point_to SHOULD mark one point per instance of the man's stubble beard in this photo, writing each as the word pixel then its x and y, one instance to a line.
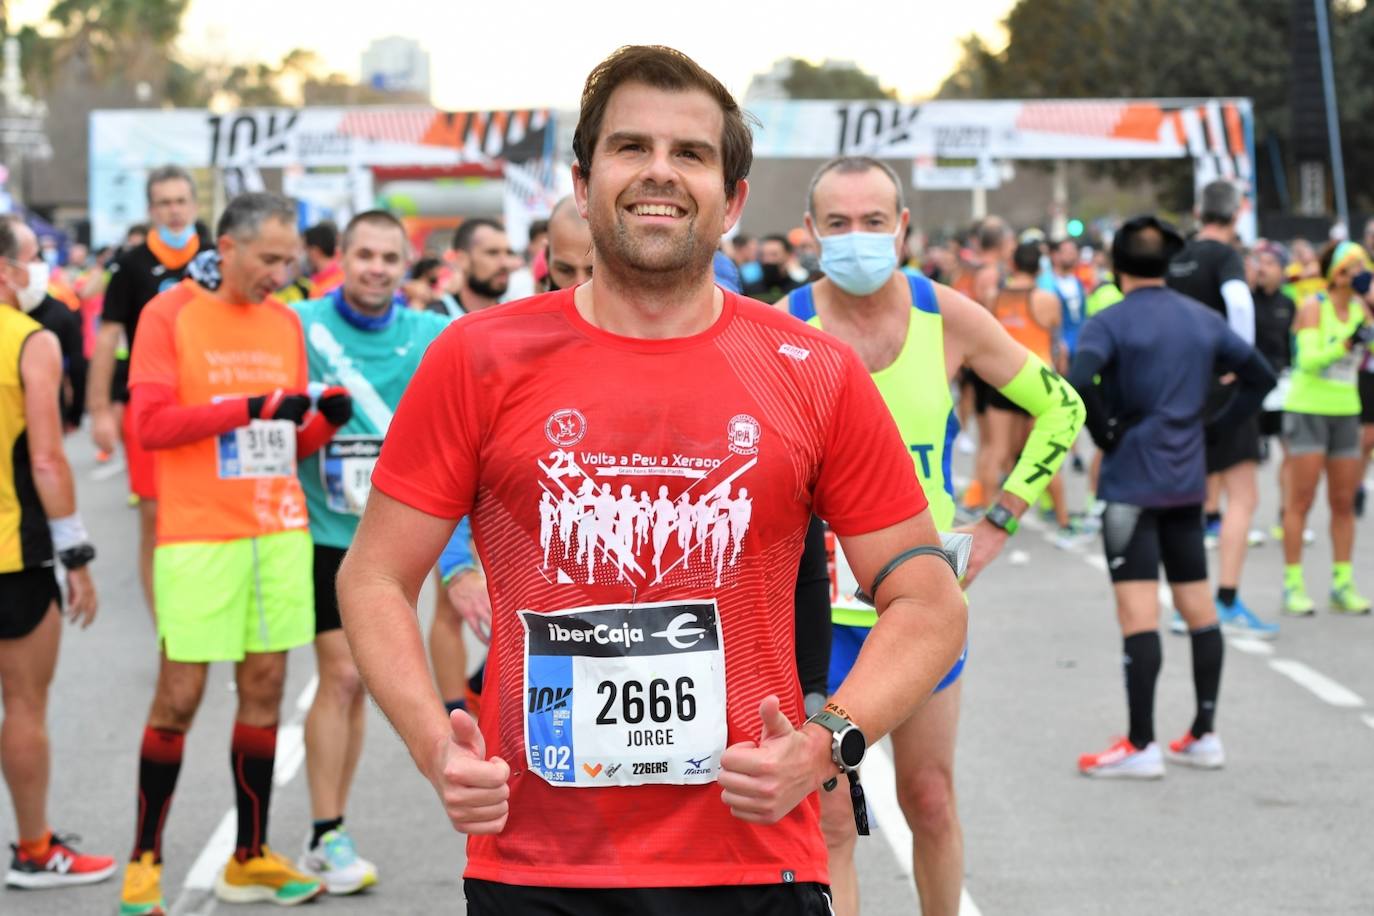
pixel 649 266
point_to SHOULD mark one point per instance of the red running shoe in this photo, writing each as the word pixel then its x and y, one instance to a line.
pixel 63 866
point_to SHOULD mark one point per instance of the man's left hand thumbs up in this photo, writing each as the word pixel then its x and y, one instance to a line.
pixel 762 781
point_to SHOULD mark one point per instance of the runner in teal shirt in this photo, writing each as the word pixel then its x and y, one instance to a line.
pixel 374 359
pixel 362 338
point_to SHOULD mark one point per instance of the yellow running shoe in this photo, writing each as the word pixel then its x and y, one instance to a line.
pixel 1345 600
pixel 269 878
pixel 142 895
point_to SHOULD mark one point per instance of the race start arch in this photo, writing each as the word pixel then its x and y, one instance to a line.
pixel 326 154
pixel 1217 134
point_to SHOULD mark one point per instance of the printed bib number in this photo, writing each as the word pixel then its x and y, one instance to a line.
pixel 263 448
pixel 1346 369
pixel 346 471
pixel 625 695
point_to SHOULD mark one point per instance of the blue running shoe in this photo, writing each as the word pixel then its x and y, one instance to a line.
pixel 1239 620
pixel 1211 534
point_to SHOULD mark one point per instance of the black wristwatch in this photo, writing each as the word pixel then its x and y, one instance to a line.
pixel 847 748
pixel 78 556
pixel 847 744
pixel 1002 517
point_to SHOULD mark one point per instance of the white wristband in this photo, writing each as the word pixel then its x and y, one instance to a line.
pixel 68 532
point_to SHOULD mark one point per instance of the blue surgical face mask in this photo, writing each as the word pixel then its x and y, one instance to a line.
pixel 751 272
pixel 859 262
pixel 177 239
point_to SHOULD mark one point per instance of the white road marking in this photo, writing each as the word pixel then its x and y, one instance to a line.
pixel 1251 646
pixel 880 788
pixel 1321 685
pixel 107 470
pixel 290 755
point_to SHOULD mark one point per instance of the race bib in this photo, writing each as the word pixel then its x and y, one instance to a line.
pixel 263 448
pixel 625 695
pixel 346 471
pixel 1346 369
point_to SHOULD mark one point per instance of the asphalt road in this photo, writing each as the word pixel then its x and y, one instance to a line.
pixel 1284 829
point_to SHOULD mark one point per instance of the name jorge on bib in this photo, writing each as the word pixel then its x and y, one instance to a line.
pixel 625 695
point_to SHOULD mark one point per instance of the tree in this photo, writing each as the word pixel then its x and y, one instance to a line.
pixel 807 81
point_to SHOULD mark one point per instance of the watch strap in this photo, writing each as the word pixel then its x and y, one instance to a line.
pixel 1002 517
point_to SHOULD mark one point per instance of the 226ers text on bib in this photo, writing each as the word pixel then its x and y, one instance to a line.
pixel 640 507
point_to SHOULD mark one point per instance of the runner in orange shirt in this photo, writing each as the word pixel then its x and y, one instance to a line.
pixel 218 382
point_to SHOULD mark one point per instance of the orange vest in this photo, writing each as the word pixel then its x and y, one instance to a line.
pixel 1013 310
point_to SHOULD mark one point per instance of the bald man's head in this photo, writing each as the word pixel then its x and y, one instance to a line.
pixel 570 246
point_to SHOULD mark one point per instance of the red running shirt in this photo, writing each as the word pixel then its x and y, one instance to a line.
pixel 681 470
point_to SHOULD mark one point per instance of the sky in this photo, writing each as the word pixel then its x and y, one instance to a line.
pixel 488 54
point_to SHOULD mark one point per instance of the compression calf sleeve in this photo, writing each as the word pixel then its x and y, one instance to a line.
pixel 159 763
pixel 1208 649
pixel 1058 413
pixel 251 757
pixel 1141 656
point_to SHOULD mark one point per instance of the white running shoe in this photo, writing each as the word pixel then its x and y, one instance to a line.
pixel 1205 753
pixel 337 864
pixel 1123 761
pixel 1256 538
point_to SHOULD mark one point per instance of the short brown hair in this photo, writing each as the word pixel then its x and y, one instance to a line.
pixel 670 70
pixel 379 218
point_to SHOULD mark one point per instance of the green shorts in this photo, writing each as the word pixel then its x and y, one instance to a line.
pixel 217 600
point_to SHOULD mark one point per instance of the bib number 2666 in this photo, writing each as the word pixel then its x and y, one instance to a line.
pixel 625 695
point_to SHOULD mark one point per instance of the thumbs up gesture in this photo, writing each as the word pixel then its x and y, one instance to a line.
pixel 761 781
pixel 472 788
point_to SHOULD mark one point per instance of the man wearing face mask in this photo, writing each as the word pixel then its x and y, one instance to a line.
pixel 914 337
pixel 54 316
pixel 776 278
pixel 156 264
pixel 39 524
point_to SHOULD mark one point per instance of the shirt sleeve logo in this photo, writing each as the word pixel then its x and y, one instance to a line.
pixel 565 428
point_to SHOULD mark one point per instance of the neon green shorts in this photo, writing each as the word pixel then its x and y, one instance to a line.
pixel 217 600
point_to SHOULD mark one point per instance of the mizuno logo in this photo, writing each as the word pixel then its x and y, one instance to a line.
pixel 698 763
pixel 797 353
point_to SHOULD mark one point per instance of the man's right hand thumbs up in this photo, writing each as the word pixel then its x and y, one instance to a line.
pixel 473 789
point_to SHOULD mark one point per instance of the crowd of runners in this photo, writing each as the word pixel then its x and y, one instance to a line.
pixel 694 495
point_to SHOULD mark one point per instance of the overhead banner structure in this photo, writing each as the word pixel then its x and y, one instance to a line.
pixel 126 144
pixel 1217 134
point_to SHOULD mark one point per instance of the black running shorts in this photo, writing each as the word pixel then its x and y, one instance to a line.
pixel 1231 445
pixel 327 562
pixel 487 898
pixel 25 597
pixel 1137 540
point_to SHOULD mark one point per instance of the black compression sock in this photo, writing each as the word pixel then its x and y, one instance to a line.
pixel 251 757
pixel 320 828
pixel 1226 596
pixel 1207 653
pixel 1141 657
pixel 159 763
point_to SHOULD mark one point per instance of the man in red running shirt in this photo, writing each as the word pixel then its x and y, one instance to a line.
pixel 639 457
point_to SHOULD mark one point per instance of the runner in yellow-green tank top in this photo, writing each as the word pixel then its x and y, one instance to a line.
pixel 1321 424
pixel 913 335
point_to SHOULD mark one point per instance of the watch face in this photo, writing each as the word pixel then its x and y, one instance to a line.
pixel 852 747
